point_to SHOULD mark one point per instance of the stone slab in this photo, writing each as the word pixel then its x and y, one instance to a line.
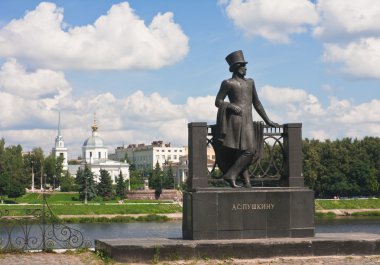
pixel 224 213
pixel 163 249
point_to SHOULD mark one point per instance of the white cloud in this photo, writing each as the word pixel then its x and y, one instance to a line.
pixel 117 40
pixel 340 118
pixel 140 118
pixel 273 20
pixel 351 32
pixel 360 58
pixel 364 113
pixel 201 109
pixel 137 118
pixel 40 84
pixel 342 18
pixel 285 95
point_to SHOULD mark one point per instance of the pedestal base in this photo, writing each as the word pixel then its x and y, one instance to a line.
pixel 213 213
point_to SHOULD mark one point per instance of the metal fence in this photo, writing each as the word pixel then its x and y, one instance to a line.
pixel 35 227
pixel 271 165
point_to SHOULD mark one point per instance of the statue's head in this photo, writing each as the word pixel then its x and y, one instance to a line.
pixel 236 60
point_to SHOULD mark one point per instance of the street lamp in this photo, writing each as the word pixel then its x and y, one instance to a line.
pixel 85 190
pixel 54 182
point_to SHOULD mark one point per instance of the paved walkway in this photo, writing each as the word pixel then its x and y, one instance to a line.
pixel 91 259
pixel 49 259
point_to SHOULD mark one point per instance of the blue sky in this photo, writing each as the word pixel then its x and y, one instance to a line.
pixel 147 68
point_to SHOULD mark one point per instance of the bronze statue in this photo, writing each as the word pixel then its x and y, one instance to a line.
pixel 238 139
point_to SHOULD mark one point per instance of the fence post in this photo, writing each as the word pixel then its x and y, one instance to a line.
pixel 293 155
pixel 197 155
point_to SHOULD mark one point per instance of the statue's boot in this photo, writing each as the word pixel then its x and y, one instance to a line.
pixel 232 183
pixel 240 164
pixel 247 179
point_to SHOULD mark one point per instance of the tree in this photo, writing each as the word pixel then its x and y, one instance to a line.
pixel 136 178
pixel 34 161
pixel 49 169
pixel 13 177
pixel 155 178
pixel 67 183
pixel 168 179
pixel 105 185
pixel 344 167
pixel 86 184
pixel 120 186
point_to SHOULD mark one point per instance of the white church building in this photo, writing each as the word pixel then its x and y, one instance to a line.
pixel 94 155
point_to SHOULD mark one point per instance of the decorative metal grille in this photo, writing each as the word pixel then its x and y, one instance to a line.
pixel 37 228
pixel 271 166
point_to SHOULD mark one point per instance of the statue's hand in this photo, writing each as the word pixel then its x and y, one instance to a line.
pixel 235 109
pixel 272 124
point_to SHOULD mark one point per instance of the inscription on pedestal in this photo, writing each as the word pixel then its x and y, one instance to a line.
pixel 251 213
pixel 252 206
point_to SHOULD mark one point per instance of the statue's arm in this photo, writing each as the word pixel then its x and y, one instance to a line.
pixel 259 107
pixel 219 101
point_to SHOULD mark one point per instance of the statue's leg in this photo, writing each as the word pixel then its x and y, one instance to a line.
pixel 243 161
pixel 246 174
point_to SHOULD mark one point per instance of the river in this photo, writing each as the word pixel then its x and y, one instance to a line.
pixel 174 229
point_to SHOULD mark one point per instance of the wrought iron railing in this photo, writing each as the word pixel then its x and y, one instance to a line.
pixel 24 228
pixel 271 165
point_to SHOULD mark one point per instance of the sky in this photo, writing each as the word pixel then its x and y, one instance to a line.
pixel 148 68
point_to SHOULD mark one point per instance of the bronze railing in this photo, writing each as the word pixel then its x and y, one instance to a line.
pixel 270 166
pixel 25 228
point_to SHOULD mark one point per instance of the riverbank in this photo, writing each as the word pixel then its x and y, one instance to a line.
pixel 69 209
pixel 348 212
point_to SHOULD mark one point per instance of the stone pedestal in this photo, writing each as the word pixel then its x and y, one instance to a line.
pixel 218 213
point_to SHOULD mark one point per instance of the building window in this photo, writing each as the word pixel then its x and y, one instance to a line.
pixel 90 154
pixel 175 157
pixel 100 154
pixel 175 151
pixel 169 157
pixel 163 157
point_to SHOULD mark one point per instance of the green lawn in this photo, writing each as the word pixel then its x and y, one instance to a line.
pixel 89 209
pixel 66 203
pixel 54 197
pixel 66 198
pixel 347 204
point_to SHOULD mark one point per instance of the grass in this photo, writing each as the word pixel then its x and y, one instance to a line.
pixel 83 220
pixel 325 215
pixel 347 204
pixel 54 197
pixel 366 214
pixel 67 198
pixel 89 209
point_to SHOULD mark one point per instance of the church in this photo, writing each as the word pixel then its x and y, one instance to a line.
pixel 94 155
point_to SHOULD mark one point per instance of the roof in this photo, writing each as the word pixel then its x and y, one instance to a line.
pixel 94 141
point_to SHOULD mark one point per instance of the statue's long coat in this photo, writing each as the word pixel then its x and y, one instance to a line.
pixel 237 131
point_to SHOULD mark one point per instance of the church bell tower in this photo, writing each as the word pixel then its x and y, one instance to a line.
pixel 59 148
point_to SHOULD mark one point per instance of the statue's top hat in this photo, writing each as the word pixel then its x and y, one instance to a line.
pixel 235 58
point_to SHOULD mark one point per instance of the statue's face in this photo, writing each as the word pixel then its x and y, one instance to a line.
pixel 242 70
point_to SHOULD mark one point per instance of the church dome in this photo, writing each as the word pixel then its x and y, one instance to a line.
pixel 93 141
